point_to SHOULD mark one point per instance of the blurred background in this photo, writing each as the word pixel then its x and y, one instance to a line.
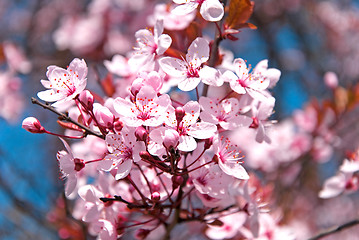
pixel 303 38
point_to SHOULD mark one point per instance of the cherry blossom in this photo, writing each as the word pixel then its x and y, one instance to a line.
pixel 211 10
pixel 147 110
pixel 229 229
pixel 342 182
pixel 64 84
pixel 229 158
pixel 173 22
pixel 189 127
pixel 70 166
pixel 149 45
pixel 123 151
pixel 260 116
pixel 254 83
pixel 226 113
pixel 190 72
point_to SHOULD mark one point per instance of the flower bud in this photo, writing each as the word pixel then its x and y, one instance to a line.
pixel 141 134
pixel 176 181
pixel 180 113
pixel 155 196
pixel 137 84
pixel 87 99
pixel 170 139
pixel 331 80
pixel 103 116
pixel 146 155
pixel 118 125
pixel 32 125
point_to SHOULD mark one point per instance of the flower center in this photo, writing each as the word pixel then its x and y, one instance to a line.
pixel 192 72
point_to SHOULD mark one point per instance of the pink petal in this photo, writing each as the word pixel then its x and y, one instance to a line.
pixel 210 76
pixel 173 67
pixel 184 9
pixel 202 130
pixel 70 185
pixel 198 52
pixel 189 84
pixel 123 169
pixel 212 10
pixel 164 42
pixel 234 169
pixel 49 95
pixel 187 143
pixel 79 67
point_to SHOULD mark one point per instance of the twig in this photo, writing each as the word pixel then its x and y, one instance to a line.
pixel 66 118
pixel 335 229
pixel 120 199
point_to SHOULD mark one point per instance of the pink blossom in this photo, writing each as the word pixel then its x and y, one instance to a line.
pixel 190 72
pixel 331 80
pixel 153 79
pixel 32 125
pixel 149 45
pixel 211 10
pixel 147 110
pixel 342 182
pixel 173 22
pixel 229 229
pixel 103 116
pixel 119 65
pixel 64 84
pixel 69 166
pixel 260 116
pixel 15 58
pixel 226 113
pixel 229 158
pixel 189 128
pixel 123 151
pixel 162 137
pixel 254 83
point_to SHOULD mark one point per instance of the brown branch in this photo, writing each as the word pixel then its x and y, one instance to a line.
pixel 66 118
pixel 335 229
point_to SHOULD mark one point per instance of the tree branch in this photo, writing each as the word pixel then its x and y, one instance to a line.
pixel 66 118
pixel 335 229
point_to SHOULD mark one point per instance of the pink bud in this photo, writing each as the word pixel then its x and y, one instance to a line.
pixel 176 181
pixel 137 84
pixel 32 125
pixel 103 116
pixel 180 113
pixel 118 125
pixel 171 138
pixel 155 196
pixel 141 133
pixel 87 99
pixel 146 155
pixel 331 80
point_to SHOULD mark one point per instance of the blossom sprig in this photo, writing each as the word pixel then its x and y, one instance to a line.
pixel 161 160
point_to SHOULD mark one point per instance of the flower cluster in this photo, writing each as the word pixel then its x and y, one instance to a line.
pixel 167 152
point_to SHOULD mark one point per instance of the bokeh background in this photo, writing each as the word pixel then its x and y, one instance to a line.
pixel 303 38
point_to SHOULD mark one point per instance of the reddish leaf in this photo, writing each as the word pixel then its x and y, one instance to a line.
pixel 69 125
pixel 107 85
pixel 238 14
